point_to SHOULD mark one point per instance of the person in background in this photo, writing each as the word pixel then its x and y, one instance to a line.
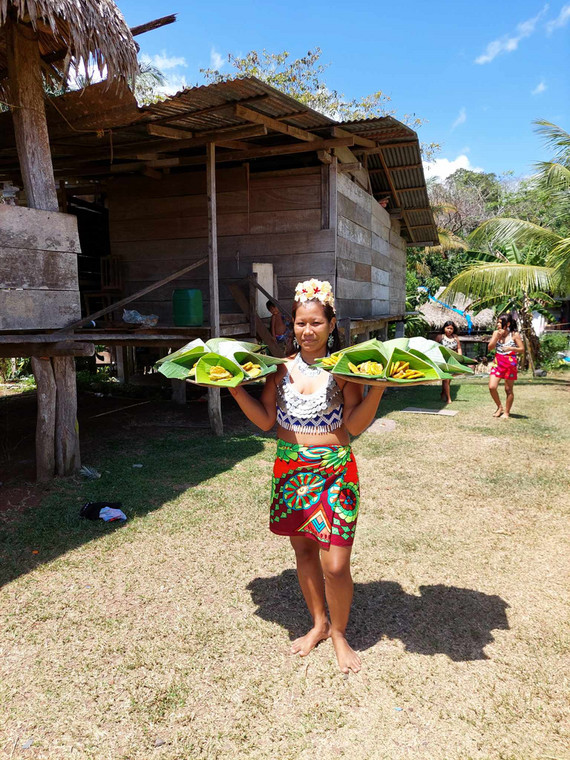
pixel 449 339
pixel 279 328
pixel 507 343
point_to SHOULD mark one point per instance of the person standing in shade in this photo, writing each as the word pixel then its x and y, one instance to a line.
pixel 449 339
pixel 315 488
pixel 507 343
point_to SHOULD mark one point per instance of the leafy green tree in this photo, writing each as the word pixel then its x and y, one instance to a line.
pixel 302 79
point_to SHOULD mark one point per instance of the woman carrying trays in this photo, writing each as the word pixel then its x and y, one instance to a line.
pixel 315 493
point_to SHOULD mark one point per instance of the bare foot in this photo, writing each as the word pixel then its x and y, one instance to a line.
pixel 505 416
pixel 345 655
pixel 499 412
pixel 305 644
pixel 448 401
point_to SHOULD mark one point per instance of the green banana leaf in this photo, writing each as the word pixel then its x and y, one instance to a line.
pixel 357 356
pixel 422 364
pixel 209 360
pixel 397 343
pixel 242 357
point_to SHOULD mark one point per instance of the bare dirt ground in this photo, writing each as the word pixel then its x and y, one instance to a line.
pixel 168 637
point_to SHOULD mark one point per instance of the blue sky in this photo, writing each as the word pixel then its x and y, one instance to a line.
pixel 478 73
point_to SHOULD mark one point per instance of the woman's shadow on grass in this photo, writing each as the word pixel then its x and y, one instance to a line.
pixel 457 622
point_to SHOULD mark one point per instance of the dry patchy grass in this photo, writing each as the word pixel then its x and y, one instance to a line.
pixel 175 628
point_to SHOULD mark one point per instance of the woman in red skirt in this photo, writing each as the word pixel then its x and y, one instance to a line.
pixel 507 343
pixel 315 489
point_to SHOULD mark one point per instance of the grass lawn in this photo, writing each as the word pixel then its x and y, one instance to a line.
pixel 168 637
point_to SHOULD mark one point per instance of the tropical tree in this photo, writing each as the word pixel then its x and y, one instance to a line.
pixel 531 262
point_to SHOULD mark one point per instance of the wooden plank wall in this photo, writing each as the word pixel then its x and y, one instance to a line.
pixel 157 226
pixel 371 256
pixel 38 269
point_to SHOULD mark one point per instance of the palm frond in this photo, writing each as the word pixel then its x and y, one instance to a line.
pixel 559 259
pixel 553 175
pixel 447 242
pixel 487 280
pixel 556 138
pixel 502 230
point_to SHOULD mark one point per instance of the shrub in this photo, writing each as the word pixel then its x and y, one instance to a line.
pixel 551 343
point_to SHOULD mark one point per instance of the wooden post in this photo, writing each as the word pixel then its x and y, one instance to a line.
pixel 67 458
pixel 26 96
pixel 332 217
pixel 178 391
pixel 45 425
pixel 252 305
pixel 214 401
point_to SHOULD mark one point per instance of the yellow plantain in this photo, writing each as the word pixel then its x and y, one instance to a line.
pixel 219 373
pixel 353 368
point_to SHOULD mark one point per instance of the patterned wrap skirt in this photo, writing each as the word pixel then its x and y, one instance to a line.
pixel 505 366
pixel 315 493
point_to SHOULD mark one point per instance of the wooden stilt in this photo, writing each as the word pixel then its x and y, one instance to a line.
pixel 214 401
pixel 179 391
pixel 67 457
pixel 45 425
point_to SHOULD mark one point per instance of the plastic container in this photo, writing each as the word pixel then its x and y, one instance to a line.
pixel 187 307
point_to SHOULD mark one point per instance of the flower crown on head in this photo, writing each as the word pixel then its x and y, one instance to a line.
pixel 315 289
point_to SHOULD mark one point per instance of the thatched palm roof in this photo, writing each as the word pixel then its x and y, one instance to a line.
pixel 71 32
pixel 436 315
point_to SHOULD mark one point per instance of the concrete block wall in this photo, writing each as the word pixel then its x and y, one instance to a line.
pixel 371 255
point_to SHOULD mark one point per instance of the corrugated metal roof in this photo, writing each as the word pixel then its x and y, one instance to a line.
pixel 394 163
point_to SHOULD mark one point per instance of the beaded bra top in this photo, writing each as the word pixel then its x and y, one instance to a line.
pixel 504 346
pixel 319 412
pixel 448 342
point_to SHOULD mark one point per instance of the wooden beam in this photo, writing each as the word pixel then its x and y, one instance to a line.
pixel 152 173
pixel 396 168
pixel 234 144
pixel 220 108
pixel 324 156
pixel 358 140
pixel 133 297
pixel 260 328
pixel 214 401
pixel 379 148
pixel 61 348
pixel 248 114
pixel 157 130
pixel 150 25
pixel 356 166
pixel 272 150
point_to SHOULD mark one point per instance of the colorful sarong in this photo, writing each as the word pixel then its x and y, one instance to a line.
pixel 315 493
pixel 505 366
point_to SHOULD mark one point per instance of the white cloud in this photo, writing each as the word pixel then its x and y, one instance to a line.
pixel 562 20
pixel 164 62
pixel 443 167
pixel 540 87
pixel 173 84
pixel 509 42
pixel 461 119
pixel 216 60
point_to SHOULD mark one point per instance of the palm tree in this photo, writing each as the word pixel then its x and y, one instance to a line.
pixel 543 268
